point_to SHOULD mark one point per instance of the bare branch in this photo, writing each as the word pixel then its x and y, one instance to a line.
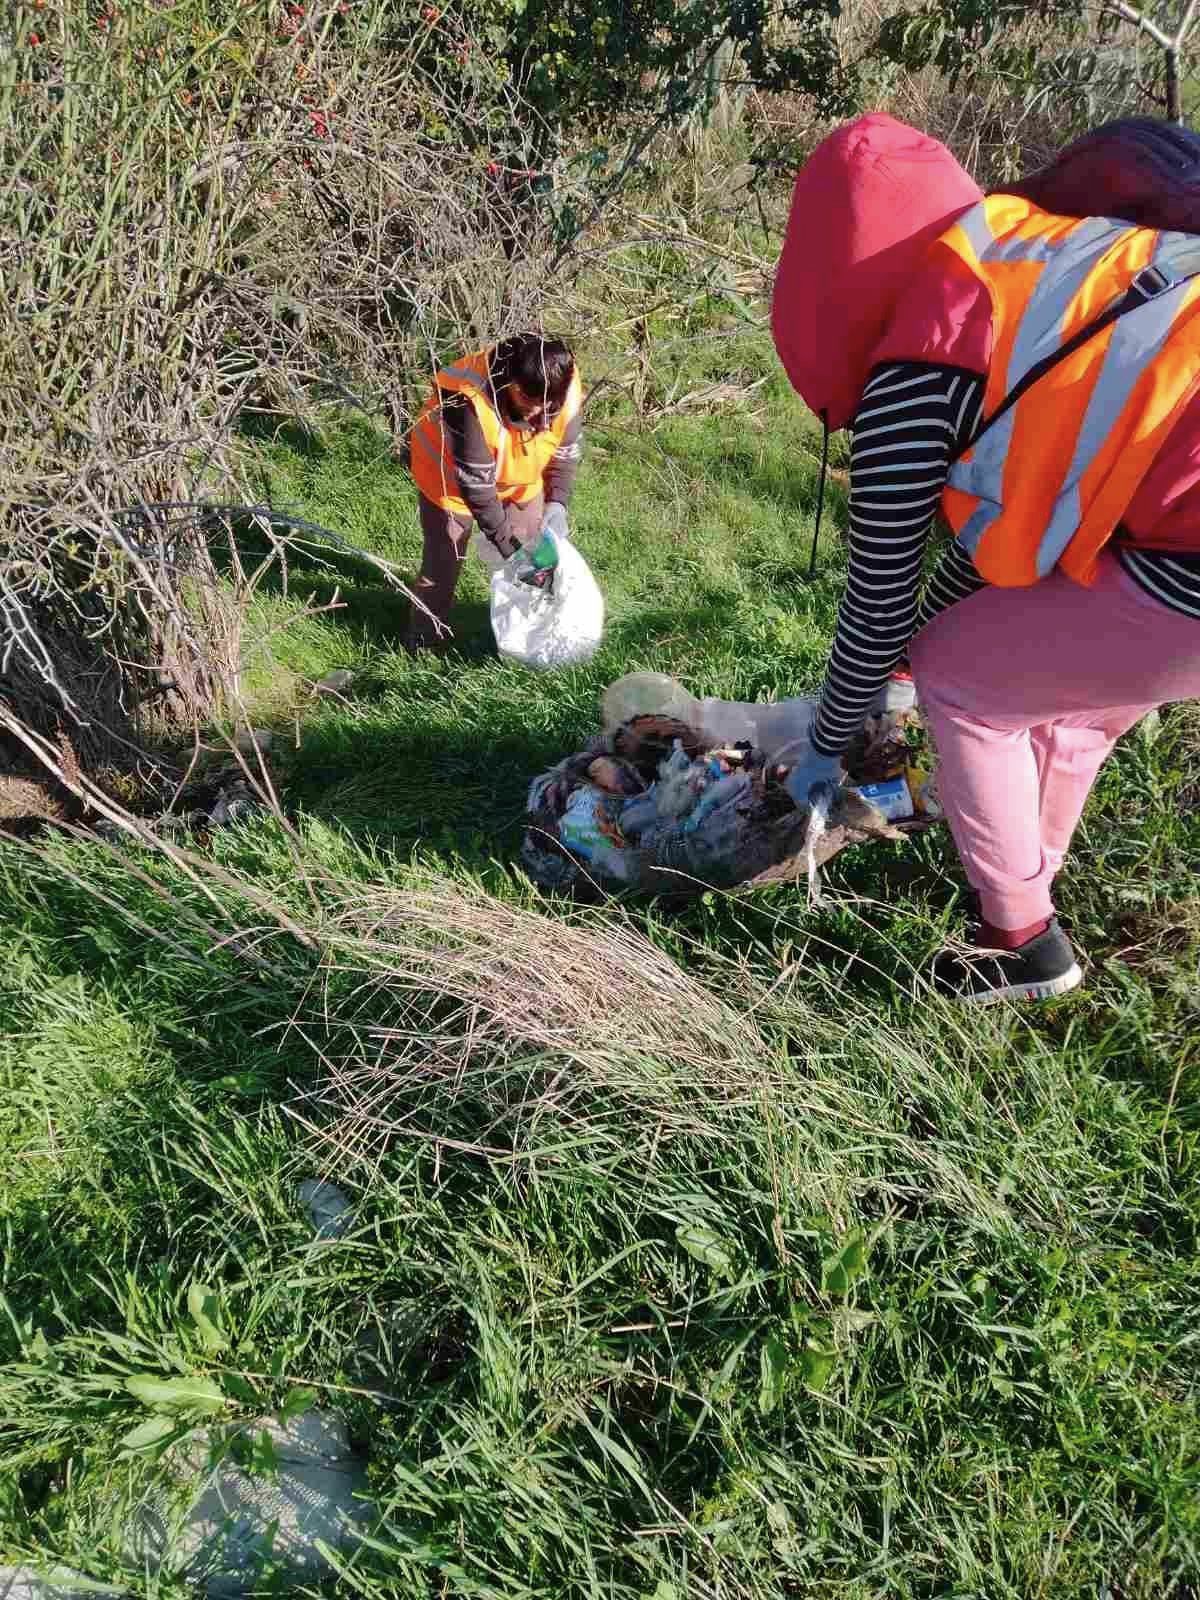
pixel 1139 19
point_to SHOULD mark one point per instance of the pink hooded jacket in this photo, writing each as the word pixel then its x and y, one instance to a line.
pixel 854 290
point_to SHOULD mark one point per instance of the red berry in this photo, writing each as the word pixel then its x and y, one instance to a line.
pixel 35 38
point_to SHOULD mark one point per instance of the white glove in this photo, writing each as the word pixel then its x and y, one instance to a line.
pixel 554 519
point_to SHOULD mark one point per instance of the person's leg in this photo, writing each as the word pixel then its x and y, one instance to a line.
pixel 445 543
pixel 987 781
pixel 1069 754
pixel 1026 691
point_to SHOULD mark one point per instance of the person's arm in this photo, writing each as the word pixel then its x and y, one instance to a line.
pixel 914 419
pixel 558 480
pixel 475 469
pixel 953 579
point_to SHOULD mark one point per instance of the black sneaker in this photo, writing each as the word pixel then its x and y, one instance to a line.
pixel 1039 970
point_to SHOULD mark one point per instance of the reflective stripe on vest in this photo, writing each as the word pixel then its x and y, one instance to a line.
pixel 521 457
pixel 1046 485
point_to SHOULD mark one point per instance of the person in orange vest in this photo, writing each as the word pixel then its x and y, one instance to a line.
pixel 497 445
pixel 1026 365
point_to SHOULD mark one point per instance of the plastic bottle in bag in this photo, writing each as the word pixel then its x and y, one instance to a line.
pixel 641 694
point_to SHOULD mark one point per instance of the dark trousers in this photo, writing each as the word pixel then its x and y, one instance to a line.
pixel 446 540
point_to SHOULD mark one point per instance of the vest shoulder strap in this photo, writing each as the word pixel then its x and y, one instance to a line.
pixel 1177 262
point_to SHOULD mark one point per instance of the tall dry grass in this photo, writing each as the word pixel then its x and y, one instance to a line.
pixel 209 211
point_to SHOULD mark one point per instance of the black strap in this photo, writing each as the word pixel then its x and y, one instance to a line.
pixel 812 560
pixel 1150 282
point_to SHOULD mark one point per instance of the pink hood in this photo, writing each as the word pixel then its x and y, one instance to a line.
pixel 866 204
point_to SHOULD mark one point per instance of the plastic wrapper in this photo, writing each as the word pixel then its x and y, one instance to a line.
pixel 773 726
pixel 590 829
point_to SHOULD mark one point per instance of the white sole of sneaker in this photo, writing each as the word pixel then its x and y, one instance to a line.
pixel 1071 979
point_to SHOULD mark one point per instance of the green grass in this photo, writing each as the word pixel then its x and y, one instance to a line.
pixel 700 1252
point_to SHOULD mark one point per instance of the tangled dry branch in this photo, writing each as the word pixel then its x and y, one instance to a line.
pixel 201 221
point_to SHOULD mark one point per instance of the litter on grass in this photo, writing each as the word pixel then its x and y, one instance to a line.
pixel 680 795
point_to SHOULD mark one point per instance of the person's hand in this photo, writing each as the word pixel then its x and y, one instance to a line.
pixel 505 539
pixel 554 519
pixel 811 770
pixel 539 563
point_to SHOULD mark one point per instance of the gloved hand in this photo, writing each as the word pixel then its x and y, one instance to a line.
pixel 543 556
pixel 505 539
pixel 810 771
pixel 554 519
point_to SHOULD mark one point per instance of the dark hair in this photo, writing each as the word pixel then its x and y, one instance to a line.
pixel 543 367
pixel 1138 170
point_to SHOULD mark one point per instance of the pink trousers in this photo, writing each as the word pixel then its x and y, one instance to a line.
pixel 1025 692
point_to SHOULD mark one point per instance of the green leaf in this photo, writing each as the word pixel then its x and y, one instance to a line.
pixel 742 308
pixel 840 1271
pixel 782 1533
pixel 200 1395
pixel 252 1081
pixel 238 1389
pixel 149 1437
pixel 774 1365
pixel 206 1314
pixel 816 1365
pixel 706 1246
pixel 297 1403
pixel 851 1321
pixel 264 1458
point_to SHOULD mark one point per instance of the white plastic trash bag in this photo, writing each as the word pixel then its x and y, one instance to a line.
pixel 779 728
pixel 560 625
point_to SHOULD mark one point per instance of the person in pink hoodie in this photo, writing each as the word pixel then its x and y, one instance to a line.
pixel 1028 366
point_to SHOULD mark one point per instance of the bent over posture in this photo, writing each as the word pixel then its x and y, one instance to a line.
pixel 497 444
pixel 1028 365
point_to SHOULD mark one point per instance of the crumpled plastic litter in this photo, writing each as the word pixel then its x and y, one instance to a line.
pixel 590 828
pixel 686 810
pixel 821 804
pixel 696 787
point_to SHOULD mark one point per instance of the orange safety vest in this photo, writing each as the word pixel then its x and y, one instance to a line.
pixel 521 456
pixel 1048 483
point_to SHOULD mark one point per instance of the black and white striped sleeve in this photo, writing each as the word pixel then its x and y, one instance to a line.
pixel 914 419
pixel 953 579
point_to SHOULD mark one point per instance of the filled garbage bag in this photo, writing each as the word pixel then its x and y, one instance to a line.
pixel 682 798
pixel 557 624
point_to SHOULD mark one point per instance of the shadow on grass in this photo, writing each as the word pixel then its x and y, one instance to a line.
pixel 699 627
pixel 458 792
pixel 367 607
pixel 274 428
